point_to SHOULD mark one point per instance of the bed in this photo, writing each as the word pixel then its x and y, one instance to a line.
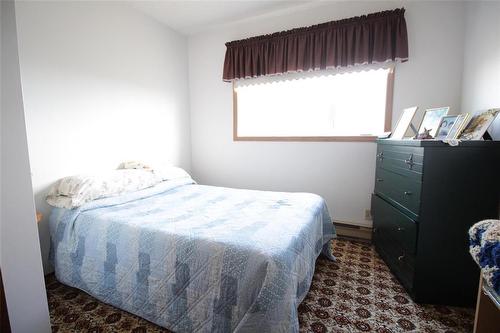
pixel 194 258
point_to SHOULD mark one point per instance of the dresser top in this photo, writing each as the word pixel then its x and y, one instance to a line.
pixel 439 143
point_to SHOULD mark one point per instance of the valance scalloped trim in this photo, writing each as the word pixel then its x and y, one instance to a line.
pixel 373 38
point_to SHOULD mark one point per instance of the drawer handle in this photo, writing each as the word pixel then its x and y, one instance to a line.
pixel 401 257
pixel 409 162
pixel 380 180
pixel 408 193
pixel 380 155
pixel 401 228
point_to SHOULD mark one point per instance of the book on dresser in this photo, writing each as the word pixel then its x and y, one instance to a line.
pixel 427 195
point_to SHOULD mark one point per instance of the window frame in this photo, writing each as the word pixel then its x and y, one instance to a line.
pixel 336 138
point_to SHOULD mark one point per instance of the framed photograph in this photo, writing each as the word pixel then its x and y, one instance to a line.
pixel 460 123
pixel 445 125
pixel 478 125
pixel 403 123
pixel 431 120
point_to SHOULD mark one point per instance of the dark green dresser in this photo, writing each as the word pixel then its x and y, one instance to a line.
pixel 427 195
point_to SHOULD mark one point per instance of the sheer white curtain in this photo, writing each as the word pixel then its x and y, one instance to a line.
pixel 348 103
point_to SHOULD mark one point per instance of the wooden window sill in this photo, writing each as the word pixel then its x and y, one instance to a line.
pixel 367 138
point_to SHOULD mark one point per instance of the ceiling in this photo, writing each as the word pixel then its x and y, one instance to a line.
pixel 191 17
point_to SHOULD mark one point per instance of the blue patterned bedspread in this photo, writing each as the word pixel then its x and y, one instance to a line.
pixel 196 258
pixel 485 249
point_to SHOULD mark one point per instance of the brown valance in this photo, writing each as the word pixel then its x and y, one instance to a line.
pixel 373 38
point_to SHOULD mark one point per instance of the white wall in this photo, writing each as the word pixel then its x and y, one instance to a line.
pixel 102 83
pixel 481 79
pixel 343 173
pixel 20 259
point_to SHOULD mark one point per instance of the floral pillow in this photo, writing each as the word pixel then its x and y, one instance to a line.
pixel 74 191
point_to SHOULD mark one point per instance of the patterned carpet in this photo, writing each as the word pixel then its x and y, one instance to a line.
pixel 355 294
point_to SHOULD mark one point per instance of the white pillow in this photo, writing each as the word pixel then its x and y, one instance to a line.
pixel 133 165
pixel 170 173
pixel 74 191
pixel 166 173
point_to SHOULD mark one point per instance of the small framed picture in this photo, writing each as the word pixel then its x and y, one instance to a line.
pixel 445 125
pixel 431 120
pixel 478 125
pixel 403 123
pixel 457 128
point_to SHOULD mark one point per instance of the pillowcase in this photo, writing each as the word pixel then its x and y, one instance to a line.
pixel 133 165
pixel 165 173
pixel 74 191
pixel 170 173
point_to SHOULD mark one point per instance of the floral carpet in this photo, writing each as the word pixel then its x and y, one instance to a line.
pixel 357 293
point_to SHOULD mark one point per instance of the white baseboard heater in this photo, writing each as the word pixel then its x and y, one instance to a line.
pixel 348 229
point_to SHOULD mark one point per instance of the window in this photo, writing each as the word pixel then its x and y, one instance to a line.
pixel 349 106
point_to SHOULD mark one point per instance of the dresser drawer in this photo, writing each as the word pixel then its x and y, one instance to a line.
pixel 400 190
pixel 405 161
pixel 390 222
pixel 397 258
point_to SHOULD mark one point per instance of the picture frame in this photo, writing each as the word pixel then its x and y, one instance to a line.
pixel 478 125
pixel 445 125
pixel 460 123
pixel 404 123
pixel 431 120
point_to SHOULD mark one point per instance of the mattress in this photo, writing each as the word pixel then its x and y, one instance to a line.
pixel 194 258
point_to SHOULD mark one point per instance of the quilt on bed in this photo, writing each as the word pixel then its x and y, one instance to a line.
pixel 196 258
